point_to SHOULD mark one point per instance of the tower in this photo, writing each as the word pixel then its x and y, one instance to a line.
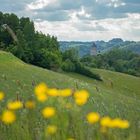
pixel 93 51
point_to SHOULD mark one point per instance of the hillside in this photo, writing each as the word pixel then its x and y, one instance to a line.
pixel 102 46
pixel 117 96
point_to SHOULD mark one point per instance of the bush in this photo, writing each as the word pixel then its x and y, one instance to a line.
pixel 50 60
pixel 68 66
pixel 81 69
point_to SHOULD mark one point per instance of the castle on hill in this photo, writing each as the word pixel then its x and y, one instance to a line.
pixel 93 51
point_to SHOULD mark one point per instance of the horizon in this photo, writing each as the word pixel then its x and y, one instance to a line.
pixel 97 40
pixel 84 21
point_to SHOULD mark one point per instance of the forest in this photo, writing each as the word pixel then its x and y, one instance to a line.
pixel 37 48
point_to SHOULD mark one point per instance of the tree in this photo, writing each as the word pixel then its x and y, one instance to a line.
pixel 70 54
pixel 68 66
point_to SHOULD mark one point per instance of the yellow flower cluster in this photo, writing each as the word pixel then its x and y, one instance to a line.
pixel 114 123
pixel 42 93
pixel 14 105
pixel 107 122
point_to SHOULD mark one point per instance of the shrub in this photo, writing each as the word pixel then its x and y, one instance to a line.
pixel 68 66
pixel 81 69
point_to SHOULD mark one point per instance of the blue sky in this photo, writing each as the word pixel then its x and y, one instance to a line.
pixel 84 20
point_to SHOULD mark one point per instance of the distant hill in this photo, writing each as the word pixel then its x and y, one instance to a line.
pixel 102 46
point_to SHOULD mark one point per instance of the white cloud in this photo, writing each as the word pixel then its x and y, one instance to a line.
pixel 126 28
pixel 39 4
pixel 83 13
pixel 112 3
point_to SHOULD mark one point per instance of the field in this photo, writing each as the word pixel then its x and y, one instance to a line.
pixel 117 96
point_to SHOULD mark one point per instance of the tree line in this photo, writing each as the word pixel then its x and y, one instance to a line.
pixel 36 48
pixel 120 60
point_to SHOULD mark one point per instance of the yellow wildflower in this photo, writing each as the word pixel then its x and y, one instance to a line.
pixel 52 92
pixel 114 123
pixel 8 117
pixel 48 112
pixel 30 104
pixel 42 97
pixel 118 123
pixel 106 122
pixel 1 95
pixel 93 117
pixel 51 129
pixel 41 89
pixel 81 97
pixel 65 93
pixel 125 124
pixel 15 105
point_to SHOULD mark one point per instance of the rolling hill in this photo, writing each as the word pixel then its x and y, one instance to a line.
pixel 118 95
pixel 102 46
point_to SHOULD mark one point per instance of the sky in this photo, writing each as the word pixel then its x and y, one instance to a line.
pixel 80 20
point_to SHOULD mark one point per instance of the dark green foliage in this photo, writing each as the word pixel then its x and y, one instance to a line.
pixel 68 66
pixel 71 54
pixel 120 60
pixel 32 47
pixel 80 68
pixel 38 49
pixel 71 63
pixel 50 60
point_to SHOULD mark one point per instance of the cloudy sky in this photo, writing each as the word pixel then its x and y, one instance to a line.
pixel 84 20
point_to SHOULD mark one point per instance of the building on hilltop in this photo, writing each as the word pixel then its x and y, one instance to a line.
pixel 93 51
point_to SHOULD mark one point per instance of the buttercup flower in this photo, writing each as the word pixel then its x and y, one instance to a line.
pixel 93 117
pixel 14 105
pixel 114 123
pixel 8 117
pixel 48 112
pixel 52 92
pixel 105 121
pixel 41 92
pixel 42 97
pixel 81 97
pixel 41 89
pixel 118 123
pixel 65 92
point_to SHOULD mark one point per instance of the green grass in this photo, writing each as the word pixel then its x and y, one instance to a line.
pixel 117 96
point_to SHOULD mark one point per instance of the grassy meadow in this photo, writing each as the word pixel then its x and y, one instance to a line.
pixel 118 95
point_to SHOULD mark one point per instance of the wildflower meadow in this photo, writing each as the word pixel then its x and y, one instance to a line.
pixel 58 114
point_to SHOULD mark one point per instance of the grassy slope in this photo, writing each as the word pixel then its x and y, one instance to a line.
pixel 122 100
